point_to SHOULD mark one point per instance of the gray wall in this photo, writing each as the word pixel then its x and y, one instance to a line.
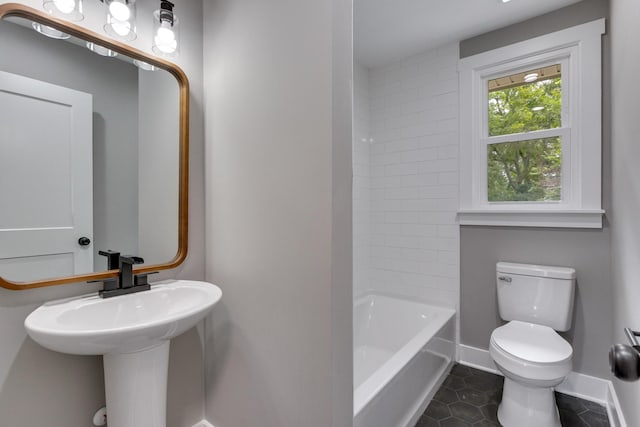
pixel 278 162
pixel 39 387
pixel 625 229
pixel 577 13
pixel 586 250
pixel 186 389
pixel 114 86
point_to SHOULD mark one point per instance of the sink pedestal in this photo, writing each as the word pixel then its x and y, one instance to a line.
pixel 136 387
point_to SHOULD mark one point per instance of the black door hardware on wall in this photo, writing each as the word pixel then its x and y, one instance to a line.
pixel 126 282
pixel 84 241
pixel 624 360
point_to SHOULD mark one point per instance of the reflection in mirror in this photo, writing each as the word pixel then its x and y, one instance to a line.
pixel 89 157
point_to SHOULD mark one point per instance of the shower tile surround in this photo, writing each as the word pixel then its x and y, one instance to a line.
pixel 412 176
pixel 470 397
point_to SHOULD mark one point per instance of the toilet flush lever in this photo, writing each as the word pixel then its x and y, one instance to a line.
pixel 505 279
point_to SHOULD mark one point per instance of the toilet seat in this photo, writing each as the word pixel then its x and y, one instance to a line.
pixel 531 342
pixel 531 352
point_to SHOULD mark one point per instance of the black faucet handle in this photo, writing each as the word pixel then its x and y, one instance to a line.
pixel 131 259
pixel 142 279
pixel 113 259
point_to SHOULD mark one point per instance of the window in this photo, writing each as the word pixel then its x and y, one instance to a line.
pixel 526 165
pixel 530 132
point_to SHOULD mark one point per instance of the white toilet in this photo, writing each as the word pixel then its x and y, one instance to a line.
pixel 537 301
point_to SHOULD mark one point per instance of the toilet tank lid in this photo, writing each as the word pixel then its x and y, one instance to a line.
pixel 552 272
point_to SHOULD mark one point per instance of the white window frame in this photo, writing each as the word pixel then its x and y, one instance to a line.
pixel 578 50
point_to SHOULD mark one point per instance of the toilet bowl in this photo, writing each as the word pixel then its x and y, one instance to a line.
pixel 533 359
pixel 536 301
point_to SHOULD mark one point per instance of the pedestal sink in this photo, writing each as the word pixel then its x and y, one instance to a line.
pixel 132 332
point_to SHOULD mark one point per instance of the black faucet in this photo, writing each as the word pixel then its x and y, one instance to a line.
pixel 126 282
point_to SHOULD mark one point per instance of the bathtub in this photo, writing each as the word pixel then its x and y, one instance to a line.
pixel 402 353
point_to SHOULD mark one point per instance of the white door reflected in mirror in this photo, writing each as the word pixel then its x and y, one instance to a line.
pixel 46 179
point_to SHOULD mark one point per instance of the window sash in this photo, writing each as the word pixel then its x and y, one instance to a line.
pixel 524 136
pixel 566 195
pixel 563 58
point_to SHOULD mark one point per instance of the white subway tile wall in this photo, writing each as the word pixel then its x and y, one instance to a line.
pixel 406 239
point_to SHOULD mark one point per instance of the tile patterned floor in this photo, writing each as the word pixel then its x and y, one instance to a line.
pixel 469 398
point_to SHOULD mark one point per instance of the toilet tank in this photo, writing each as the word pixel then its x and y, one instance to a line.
pixel 536 293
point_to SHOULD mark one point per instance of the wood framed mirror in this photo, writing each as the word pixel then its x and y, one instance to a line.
pixel 76 170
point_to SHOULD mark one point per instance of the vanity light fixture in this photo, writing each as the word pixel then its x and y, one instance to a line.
pixel 121 19
pixel 120 24
pixel 66 9
pixel 165 30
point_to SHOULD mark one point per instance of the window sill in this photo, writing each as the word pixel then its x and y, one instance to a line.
pixel 532 218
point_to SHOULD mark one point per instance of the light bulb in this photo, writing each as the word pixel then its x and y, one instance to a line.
pixel 165 34
pixel 166 47
pixel 119 11
pixel 121 28
pixel 165 38
pixel 65 6
pixel 70 10
pixel 121 19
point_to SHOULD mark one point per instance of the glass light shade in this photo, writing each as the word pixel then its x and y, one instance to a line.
pixel 166 36
pixel 144 65
pixel 49 31
pixel 70 10
pixel 121 19
pixel 101 50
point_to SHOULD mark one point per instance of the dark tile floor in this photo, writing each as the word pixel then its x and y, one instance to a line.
pixel 469 398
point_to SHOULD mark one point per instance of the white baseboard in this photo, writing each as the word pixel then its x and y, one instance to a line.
pixel 614 411
pixel 477 358
pixel 585 387
pixel 203 423
pixel 576 384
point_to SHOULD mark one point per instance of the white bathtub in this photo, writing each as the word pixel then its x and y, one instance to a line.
pixel 402 352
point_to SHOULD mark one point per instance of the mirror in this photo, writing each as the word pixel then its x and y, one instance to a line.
pixel 93 154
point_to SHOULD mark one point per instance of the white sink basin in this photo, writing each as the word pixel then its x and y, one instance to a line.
pixel 132 332
pixel 122 324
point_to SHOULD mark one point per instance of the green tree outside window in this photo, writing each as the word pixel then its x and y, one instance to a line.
pixel 527 170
